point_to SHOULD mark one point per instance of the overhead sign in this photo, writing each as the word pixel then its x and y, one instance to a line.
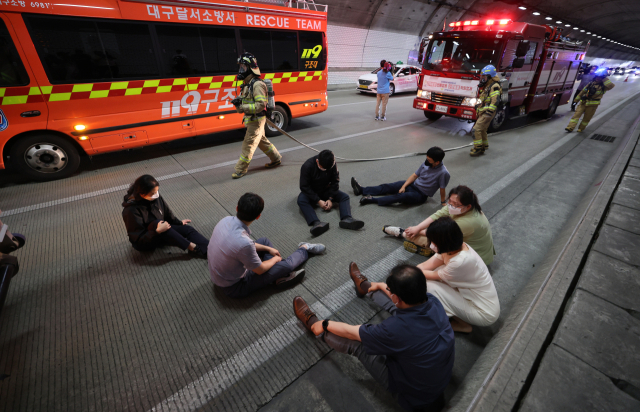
pixel 457 87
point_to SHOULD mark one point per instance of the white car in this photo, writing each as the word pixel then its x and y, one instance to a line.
pixel 405 79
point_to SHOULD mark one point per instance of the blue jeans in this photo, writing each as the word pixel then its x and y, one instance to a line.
pixel 411 196
pixel 342 199
pixel 252 281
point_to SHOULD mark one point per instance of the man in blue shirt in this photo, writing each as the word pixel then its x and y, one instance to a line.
pixel 384 76
pixel 410 353
pixel 430 176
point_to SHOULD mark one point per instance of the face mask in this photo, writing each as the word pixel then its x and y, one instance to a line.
pixel 242 72
pixel 154 197
pixel 426 163
pixel 455 210
pixel 433 247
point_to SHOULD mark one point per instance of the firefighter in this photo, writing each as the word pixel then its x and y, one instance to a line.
pixel 253 103
pixel 486 108
pixel 589 99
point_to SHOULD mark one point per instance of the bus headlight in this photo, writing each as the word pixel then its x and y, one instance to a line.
pixel 424 94
pixel 469 101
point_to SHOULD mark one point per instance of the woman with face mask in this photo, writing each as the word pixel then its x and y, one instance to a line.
pixel 458 277
pixel 463 206
pixel 150 223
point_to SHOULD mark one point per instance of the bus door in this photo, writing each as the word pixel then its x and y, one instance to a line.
pixel 22 107
pixel 520 81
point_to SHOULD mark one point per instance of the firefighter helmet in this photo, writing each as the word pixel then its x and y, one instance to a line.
pixel 601 72
pixel 251 62
pixel 489 71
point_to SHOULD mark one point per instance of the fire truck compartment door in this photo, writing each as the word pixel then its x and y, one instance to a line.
pixel 456 87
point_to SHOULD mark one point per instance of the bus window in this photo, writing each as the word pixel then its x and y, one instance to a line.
pixel 180 50
pixel 220 54
pixel 285 50
pixel 83 50
pixel 312 54
pixel 258 43
pixel 275 50
pixel 12 72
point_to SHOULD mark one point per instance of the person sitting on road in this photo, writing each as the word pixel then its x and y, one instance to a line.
pixel 464 208
pixel 411 353
pixel 319 185
pixel 430 176
pixel 240 266
pixel 458 277
pixel 151 223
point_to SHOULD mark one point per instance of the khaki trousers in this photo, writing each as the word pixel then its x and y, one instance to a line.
pixel 480 129
pixel 255 138
pixel 384 98
pixel 581 109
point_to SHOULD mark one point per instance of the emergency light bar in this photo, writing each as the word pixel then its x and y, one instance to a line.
pixel 477 22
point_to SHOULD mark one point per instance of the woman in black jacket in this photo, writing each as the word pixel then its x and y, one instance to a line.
pixel 150 223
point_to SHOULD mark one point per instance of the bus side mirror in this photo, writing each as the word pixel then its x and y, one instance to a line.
pixel 518 63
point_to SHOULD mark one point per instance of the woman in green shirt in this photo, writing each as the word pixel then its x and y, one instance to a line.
pixel 464 208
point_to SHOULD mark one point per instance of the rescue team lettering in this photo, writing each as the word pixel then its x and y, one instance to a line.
pixel 448 86
pixel 194 15
pixel 306 53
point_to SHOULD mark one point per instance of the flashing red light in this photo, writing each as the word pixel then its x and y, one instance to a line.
pixel 505 21
pixel 582 57
pixel 467 23
pixel 489 22
pixel 458 23
pixel 475 23
pixel 452 24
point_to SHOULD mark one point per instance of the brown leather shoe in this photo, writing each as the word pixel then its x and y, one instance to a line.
pixel 357 278
pixel 304 313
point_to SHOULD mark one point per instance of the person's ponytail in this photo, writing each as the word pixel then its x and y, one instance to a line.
pixel 466 197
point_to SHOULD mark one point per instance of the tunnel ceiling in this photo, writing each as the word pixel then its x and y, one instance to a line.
pixel 617 20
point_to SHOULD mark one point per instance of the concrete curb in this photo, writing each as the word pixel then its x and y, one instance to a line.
pixel 497 380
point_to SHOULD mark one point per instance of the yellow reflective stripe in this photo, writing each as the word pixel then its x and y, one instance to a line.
pixel 163 89
pixel 133 92
pixel 206 80
pixel 271 147
pixel 244 159
pixel 82 88
pixel 496 93
pixel 2 90
pixel 607 82
pixel 179 82
pixel 14 100
pixel 34 91
pixel 491 107
pixel 269 75
pixel 151 83
pixel 286 75
pixel 58 97
pixel 276 81
pixel 118 85
pixel 228 78
pixel 593 102
pixel 99 94
pixel 192 87
pixel 260 99
pixel 308 78
pixel 45 89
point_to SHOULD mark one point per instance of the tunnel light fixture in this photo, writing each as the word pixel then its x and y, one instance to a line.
pixel 581 31
pixel 548 18
pixel 558 22
pixel 575 28
pixel 522 8
pixel 535 13
pixel 567 25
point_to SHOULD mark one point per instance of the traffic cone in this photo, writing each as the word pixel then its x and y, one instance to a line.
pixel 626 78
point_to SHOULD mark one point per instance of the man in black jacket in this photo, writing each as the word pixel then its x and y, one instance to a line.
pixel 319 183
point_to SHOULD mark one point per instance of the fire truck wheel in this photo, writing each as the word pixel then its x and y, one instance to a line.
pixel 552 108
pixel 432 116
pixel 498 120
pixel 281 119
pixel 45 157
pixel 392 89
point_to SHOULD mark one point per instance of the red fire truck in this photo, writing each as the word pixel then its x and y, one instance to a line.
pixel 536 66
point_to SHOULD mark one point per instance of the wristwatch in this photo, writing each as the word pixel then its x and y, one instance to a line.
pixel 325 324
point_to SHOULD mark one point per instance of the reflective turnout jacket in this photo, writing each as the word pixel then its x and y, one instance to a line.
pixel 254 100
pixel 489 97
pixel 593 92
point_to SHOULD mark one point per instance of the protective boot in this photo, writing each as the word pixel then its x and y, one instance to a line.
pixel 477 150
pixel 485 145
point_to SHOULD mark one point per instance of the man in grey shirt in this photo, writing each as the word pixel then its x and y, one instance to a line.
pixel 239 266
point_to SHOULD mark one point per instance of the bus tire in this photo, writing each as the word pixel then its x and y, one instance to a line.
pixel 280 118
pixel 498 120
pixel 432 116
pixel 392 89
pixel 44 157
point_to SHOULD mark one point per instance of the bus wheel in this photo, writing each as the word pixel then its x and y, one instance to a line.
pixel 280 119
pixel 432 116
pixel 498 120
pixel 45 157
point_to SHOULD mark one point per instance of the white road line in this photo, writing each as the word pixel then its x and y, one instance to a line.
pixel 212 384
pixel 371 101
pixel 51 203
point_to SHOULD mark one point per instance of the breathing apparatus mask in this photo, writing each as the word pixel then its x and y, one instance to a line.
pixel 247 65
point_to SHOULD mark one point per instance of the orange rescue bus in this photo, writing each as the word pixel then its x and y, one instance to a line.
pixel 98 76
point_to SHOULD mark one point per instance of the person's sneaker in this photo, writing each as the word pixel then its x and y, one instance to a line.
pixel 351 223
pixel 319 228
pixel 273 164
pixel 383 119
pixel 237 175
pixel 413 248
pixel 293 278
pixel 199 252
pixel 365 200
pixel 377 118
pixel 357 189
pixel 394 231
pixel 314 248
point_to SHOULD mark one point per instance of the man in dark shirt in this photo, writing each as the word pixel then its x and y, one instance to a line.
pixel 319 183
pixel 410 353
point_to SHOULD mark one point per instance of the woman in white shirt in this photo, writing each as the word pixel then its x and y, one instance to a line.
pixel 458 277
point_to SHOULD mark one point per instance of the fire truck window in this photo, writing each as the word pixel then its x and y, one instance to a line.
pixel 531 53
pixel 180 50
pixel 219 45
pixel 82 50
pixel 462 55
pixel 285 50
pixel 12 72
pixel 258 43
pixel 313 56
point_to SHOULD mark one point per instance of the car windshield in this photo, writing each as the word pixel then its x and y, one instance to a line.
pixel 461 55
